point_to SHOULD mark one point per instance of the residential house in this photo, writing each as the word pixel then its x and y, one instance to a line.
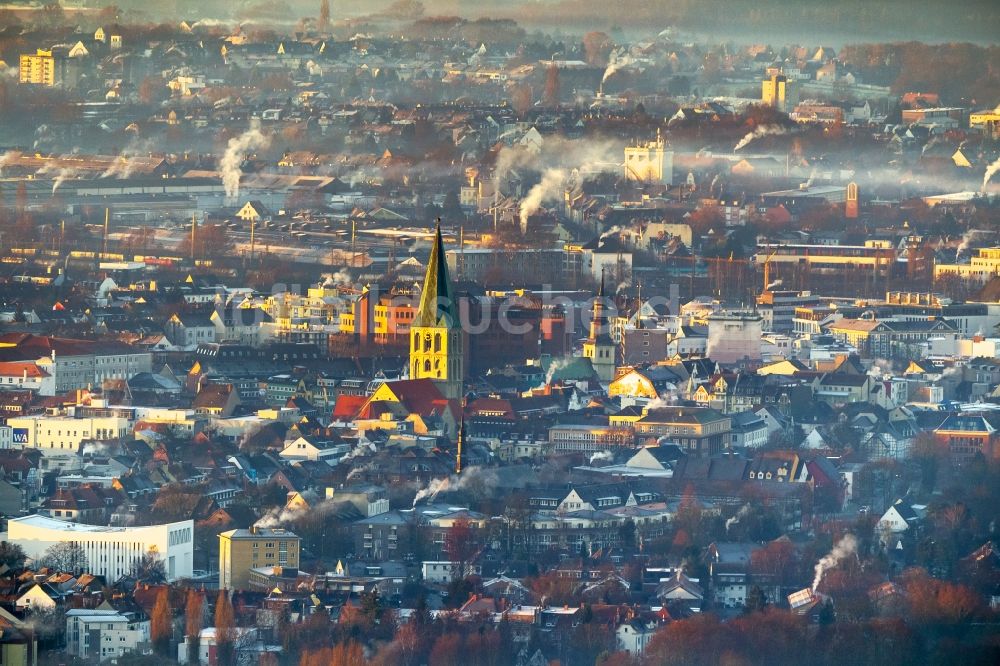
pixel 18 641
pixel 216 399
pixel 634 636
pixel 190 329
pixel 681 590
pixel 899 519
pixel 315 448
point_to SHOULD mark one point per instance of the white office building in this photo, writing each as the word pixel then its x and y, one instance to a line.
pixel 102 635
pixel 59 437
pixel 110 551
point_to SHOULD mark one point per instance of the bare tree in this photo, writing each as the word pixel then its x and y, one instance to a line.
pixel 67 556
pixel 149 569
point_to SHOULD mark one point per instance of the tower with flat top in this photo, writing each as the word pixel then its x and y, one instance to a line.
pixel 650 163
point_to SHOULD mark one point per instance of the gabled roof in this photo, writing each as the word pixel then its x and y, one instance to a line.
pixel 213 396
pixel 417 396
pixel 25 369
pixel 348 406
pixel 843 379
pixel 905 511
pixel 680 583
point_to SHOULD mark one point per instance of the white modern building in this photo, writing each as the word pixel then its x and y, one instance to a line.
pixel 110 551
pixel 59 437
pixel 443 571
pixel 734 337
pixel 102 635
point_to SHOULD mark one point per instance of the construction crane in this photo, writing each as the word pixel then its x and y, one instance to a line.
pixel 767 270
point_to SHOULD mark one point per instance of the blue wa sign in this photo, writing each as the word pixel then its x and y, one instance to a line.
pixel 20 436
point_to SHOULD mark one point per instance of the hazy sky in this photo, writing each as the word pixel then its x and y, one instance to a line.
pixel 830 22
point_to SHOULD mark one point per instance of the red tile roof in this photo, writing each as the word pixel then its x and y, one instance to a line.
pixel 21 369
pixel 348 406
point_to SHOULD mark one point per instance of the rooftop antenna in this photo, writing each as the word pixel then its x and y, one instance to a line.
pixel 461 249
pixel 638 308
pixel 461 434
pixel 107 217
pixel 253 225
pixel 496 208
pixel 194 228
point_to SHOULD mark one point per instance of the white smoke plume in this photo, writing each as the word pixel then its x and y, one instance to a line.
pixel 9 156
pixel 362 449
pixel 952 371
pixel 555 366
pixel 846 547
pixel 61 177
pixel 340 278
pixel 990 172
pixel 715 181
pixel 660 402
pixel 759 132
pixel 549 188
pixel 880 367
pixel 963 247
pixel 557 153
pixel 776 283
pixel 236 150
pixel 601 455
pixel 555 180
pixel 125 163
pixel 432 490
pixel 610 231
pixel 121 167
pixel 455 482
pixel 740 515
pixel 210 23
pixel 94 448
pixel 715 340
pixel 355 471
pixel 278 517
pixel 616 62
pixel 285 515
